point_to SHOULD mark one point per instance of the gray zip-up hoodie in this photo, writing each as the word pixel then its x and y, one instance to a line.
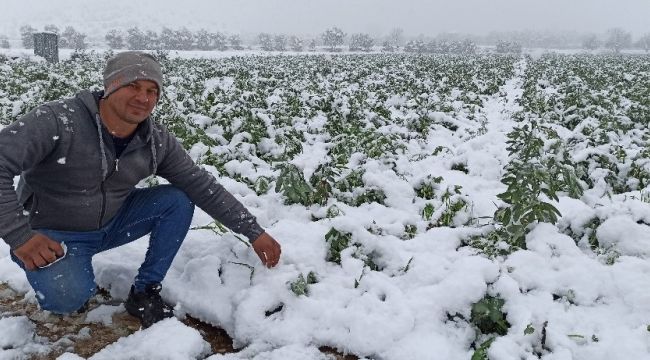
pixel 72 181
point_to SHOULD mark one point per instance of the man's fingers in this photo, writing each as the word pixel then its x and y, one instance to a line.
pixel 39 261
pixel 276 253
pixel 272 257
pixel 29 264
pixel 57 249
pixel 267 258
pixel 48 255
pixel 262 255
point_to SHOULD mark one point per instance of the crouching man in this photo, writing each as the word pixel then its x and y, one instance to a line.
pixel 79 161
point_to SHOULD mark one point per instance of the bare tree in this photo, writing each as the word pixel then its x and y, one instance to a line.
pixel 409 46
pixel 203 40
pixel 78 41
pixel 395 37
pixel 417 46
pixel 168 39
pixel 312 45
pixel 220 41
pixel 333 38
pixel 185 39
pixel 591 42
pixel 387 46
pixel 618 39
pixel 295 43
pixel 27 36
pixel 360 42
pixel 114 39
pixel 72 39
pixel 51 28
pixel 136 39
pixel 235 42
pixel 266 41
pixel 644 42
pixel 280 43
pixel 465 47
pixel 152 41
pixel 508 47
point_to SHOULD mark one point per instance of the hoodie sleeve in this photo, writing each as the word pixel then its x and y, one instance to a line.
pixel 203 189
pixel 23 144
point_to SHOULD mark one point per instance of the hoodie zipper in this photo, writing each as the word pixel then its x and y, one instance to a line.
pixel 116 168
pixel 93 110
pixel 103 190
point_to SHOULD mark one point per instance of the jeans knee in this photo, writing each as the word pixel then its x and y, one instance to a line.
pixel 179 198
pixel 64 300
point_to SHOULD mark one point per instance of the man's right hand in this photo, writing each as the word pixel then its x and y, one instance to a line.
pixel 39 251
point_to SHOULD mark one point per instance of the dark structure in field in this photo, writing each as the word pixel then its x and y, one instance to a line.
pixel 46 44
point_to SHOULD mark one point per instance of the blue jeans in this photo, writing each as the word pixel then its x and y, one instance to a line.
pixel 164 212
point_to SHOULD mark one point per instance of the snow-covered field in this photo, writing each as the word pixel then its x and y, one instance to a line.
pixel 379 175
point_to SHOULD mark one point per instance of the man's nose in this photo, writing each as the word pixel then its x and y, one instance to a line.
pixel 142 96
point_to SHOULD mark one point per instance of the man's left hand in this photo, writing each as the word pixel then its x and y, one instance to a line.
pixel 267 249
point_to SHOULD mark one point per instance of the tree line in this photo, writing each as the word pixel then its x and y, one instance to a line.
pixel 334 39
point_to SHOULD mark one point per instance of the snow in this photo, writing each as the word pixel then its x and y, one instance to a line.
pixel 603 311
pixel 590 309
pixel 636 241
pixel 18 338
pixel 18 331
pixel 167 339
pixel 103 314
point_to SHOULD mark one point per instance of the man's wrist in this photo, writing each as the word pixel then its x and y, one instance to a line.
pixel 255 234
pixel 19 237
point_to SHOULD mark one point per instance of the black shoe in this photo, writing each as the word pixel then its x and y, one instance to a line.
pixel 148 306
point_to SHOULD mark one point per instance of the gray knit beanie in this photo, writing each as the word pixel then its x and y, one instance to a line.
pixel 129 66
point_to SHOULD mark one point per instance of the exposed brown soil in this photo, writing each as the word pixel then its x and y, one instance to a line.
pixel 68 333
pixel 218 338
pixel 74 334
pixel 337 355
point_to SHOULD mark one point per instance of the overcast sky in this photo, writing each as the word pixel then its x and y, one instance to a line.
pixel 427 17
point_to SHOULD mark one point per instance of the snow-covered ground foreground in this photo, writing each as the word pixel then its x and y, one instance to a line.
pixel 396 294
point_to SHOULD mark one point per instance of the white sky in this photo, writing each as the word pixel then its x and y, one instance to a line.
pixel 313 16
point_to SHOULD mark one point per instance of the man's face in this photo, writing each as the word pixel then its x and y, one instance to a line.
pixel 134 102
